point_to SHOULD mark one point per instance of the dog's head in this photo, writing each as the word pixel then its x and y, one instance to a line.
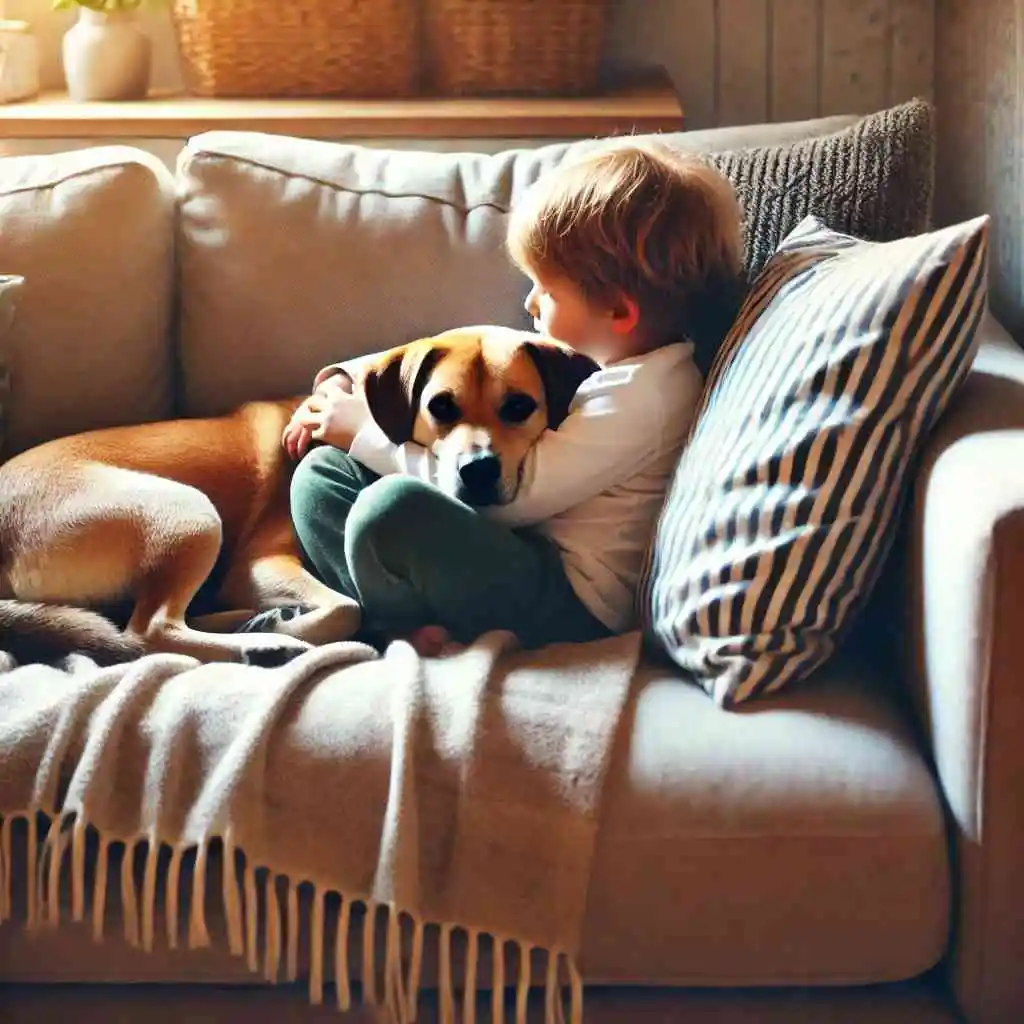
pixel 479 398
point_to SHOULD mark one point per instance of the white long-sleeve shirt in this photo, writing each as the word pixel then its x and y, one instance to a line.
pixel 596 485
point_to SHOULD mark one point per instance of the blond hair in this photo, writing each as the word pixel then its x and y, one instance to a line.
pixel 633 220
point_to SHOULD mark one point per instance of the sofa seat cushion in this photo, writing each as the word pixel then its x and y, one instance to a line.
pixel 91 232
pixel 798 840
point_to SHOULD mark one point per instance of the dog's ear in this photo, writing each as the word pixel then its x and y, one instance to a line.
pixel 561 371
pixel 393 388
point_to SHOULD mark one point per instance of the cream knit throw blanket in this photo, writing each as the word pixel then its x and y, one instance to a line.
pixel 462 792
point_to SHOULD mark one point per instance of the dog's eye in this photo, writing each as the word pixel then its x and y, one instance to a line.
pixel 518 408
pixel 444 408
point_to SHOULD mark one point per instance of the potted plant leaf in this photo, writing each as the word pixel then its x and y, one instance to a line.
pixel 107 54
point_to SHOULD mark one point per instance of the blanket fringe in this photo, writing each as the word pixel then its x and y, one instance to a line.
pixel 415 970
pixel 129 895
pixel 523 988
pixel 252 911
pixel 498 981
pixel 229 890
pixel 469 992
pixel 291 953
pixel 252 900
pixel 78 873
pixel 172 906
pixel 198 935
pixel 341 979
pixel 99 897
pixel 316 950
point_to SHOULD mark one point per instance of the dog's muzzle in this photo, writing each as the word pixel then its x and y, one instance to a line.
pixel 479 478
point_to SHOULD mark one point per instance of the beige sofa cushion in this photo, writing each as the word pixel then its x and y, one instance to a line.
pixel 797 840
pixel 91 233
pixel 295 253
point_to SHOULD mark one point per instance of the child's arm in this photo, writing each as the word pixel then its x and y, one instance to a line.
pixel 598 446
pixel 613 430
pixel 299 434
pixel 352 368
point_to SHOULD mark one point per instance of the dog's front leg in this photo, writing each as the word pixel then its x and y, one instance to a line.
pixel 184 549
pixel 222 622
pixel 269 579
pixel 328 616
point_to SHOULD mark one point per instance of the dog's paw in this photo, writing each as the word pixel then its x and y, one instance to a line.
pixel 308 623
pixel 273 620
pixel 270 650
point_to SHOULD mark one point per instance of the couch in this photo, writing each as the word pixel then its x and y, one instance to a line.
pixel 848 851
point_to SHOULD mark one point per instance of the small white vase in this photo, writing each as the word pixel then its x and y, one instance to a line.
pixel 107 56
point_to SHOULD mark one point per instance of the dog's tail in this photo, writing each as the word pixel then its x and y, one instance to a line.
pixel 32 633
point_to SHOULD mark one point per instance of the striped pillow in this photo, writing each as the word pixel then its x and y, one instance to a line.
pixel 783 506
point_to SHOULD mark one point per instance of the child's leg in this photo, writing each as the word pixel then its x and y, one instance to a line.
pixel 418 557
pixel 324 489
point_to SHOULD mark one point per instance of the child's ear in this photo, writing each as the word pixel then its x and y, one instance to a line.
pixel 625 315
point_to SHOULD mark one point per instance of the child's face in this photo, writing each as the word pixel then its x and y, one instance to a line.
pixel 561 311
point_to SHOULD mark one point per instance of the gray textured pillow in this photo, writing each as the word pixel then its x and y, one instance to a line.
pixel 874 180
pixel 10 285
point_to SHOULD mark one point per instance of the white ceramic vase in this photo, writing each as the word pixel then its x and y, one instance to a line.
pixel 107 56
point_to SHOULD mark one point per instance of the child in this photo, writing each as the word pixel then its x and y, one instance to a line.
pixel 632 252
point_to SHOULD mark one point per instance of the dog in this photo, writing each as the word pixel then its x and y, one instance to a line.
pixel 147 513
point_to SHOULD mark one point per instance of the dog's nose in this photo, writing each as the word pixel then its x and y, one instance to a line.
pixel 479 472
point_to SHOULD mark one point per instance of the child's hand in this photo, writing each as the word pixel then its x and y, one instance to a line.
pixel 331 416
pixel 297 437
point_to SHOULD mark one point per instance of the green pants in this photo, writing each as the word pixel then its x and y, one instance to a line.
pixel 412 556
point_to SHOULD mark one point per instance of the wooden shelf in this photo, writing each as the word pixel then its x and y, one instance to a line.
pixel 641 106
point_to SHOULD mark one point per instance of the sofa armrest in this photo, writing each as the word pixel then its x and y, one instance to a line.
pixel 967 619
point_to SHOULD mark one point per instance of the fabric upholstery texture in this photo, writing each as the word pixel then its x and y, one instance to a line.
pixel 961 620
pixel 294 254
pixel 91 233
pixel 874 179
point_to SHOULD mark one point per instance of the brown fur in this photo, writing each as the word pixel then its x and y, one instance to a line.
pixel 145 511
pixel 38 632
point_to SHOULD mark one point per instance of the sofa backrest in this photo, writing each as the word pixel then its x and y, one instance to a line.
pixel 296 253
pixel 147 295
pixel 91 232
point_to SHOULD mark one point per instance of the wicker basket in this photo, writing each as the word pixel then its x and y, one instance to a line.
pixel 356 48
pixel 480 47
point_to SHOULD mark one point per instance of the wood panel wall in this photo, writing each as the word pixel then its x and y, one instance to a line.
pixel 742 61
pixel 738 61
pixel 733 61
pixel 980 97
